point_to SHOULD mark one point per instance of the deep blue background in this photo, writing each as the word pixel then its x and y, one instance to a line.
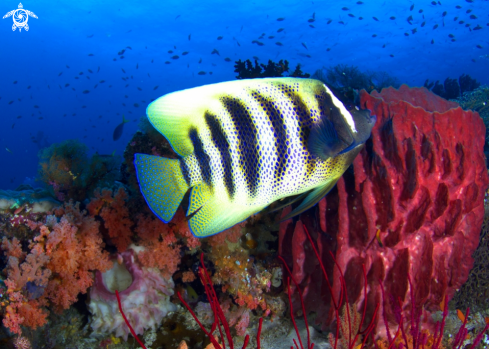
pixel 62 35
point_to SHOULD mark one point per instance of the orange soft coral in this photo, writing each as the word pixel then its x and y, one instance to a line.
pixel 180 227
pixel 75 249
pixel 115 214
pixel 58 267
pixel 12 248
pixel 32 270
pixel 162 250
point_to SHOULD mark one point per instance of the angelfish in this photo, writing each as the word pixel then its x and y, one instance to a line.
pixel 119 129
pixel 245 144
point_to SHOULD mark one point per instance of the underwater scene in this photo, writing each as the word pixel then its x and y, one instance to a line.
pixel 244 174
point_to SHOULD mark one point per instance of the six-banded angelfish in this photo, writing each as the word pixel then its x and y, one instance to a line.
pixel 245 144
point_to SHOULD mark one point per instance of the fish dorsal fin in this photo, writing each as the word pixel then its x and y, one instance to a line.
pixel 312 198
pixel 175 114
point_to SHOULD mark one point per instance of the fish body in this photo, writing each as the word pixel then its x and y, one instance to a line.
pixel 119 129
pixel 246 144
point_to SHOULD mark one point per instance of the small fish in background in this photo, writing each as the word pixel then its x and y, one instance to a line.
pixel 185 53
pixel 222 145
pixel 7 149
pixel 201 73
pixel 227 59
pixel 280 30
pixel 215 52
pixel 305 46
pixel 90 36
pixel 280 19
pixel 91 55
pixel 189 36
pixel 219 38
pixel 119 129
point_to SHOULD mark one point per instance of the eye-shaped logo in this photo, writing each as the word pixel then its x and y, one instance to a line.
pixel 20 17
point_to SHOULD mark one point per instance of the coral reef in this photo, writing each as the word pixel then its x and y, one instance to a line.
pixel 19 206
pixel 412 206
pixel 474 294
pixel 348 77
pixel 246 70
pixel 112 209
pixel 56 268
pixel 478 100
pixel 69 173
pixel 144 292
pixel 451 88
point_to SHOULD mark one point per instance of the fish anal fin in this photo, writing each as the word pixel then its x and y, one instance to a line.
pixel 312 198
pixel 217 215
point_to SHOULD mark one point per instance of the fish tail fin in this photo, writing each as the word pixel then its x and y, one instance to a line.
pixel 162 184
pixel 124 120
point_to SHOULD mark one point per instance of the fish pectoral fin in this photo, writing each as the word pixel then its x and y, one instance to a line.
pixel 216 214
pixel 162 184
pixel 312 198
pixel 324 141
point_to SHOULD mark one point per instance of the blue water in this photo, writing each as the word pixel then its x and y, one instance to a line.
pixel 66 32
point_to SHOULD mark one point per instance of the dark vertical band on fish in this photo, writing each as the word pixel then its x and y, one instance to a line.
pixel 221 143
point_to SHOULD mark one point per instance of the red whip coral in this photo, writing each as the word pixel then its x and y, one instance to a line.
pixel 413 205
